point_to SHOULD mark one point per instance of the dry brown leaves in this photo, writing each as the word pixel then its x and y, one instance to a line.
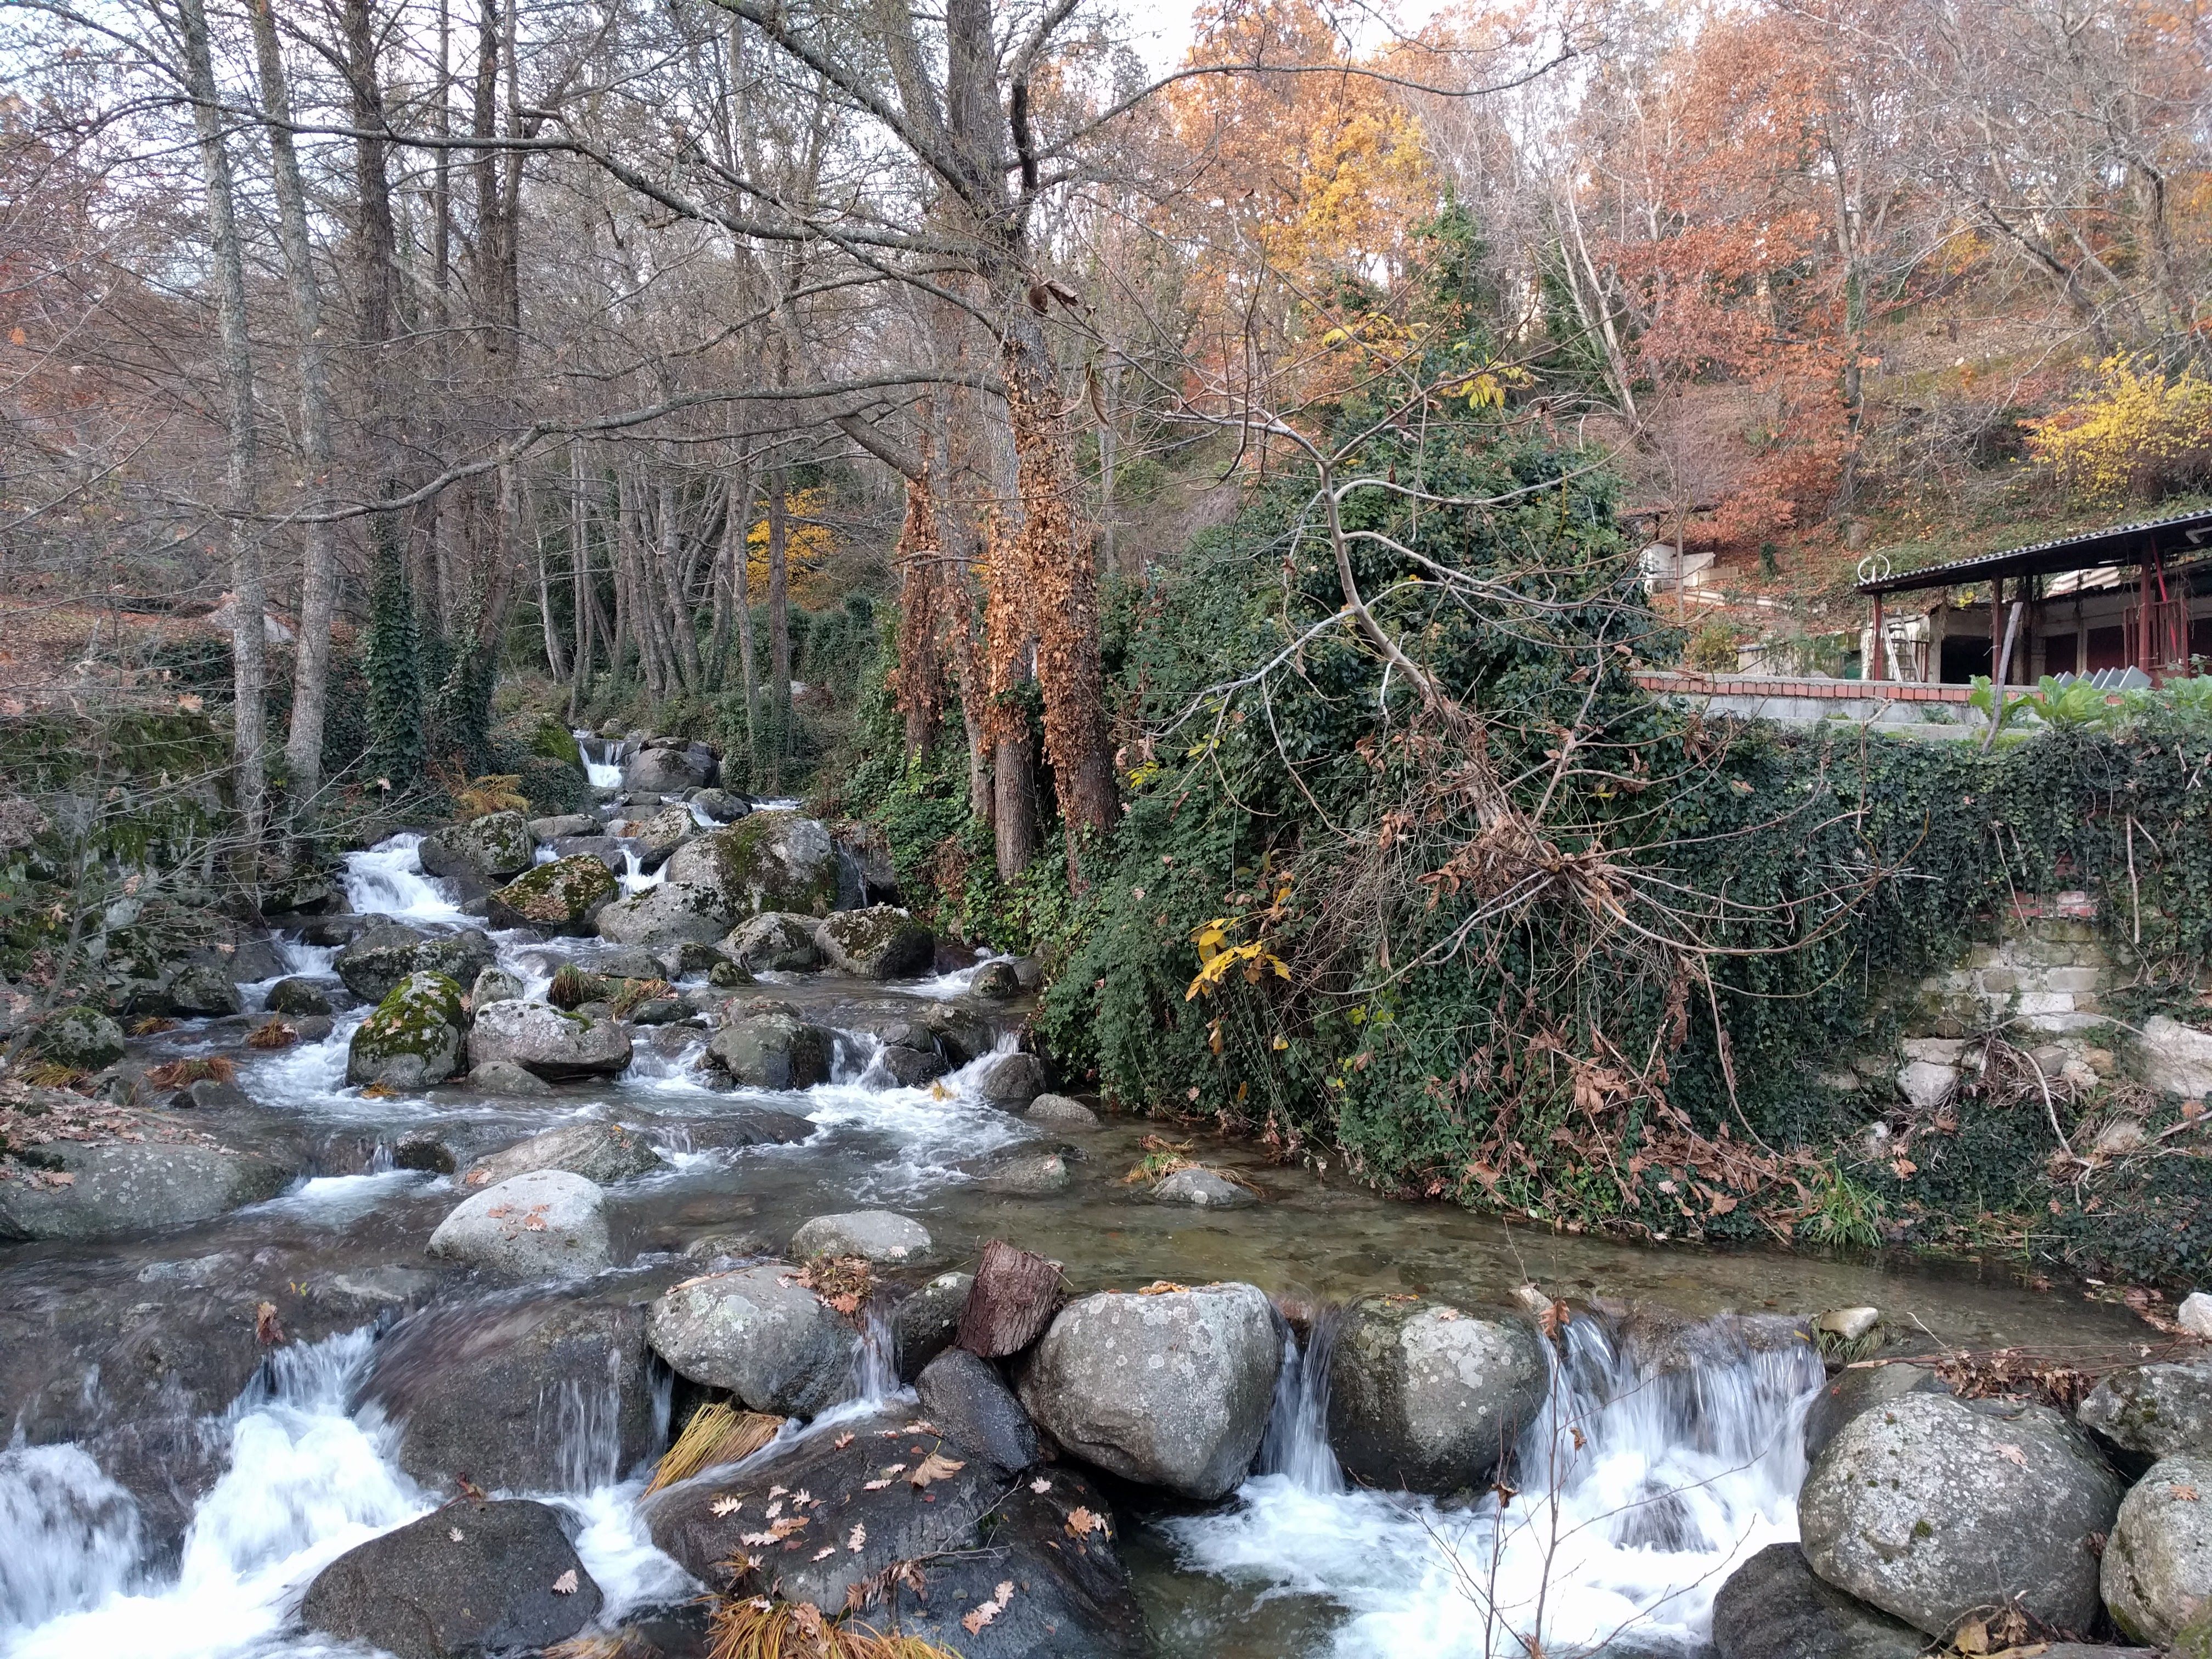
pixel 845 1282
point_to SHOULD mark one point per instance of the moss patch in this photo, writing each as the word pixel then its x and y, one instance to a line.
pixel 419 1017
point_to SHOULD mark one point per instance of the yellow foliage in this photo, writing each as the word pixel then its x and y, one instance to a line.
pixel 1218 957
pixel 808 543
pixel 2138 433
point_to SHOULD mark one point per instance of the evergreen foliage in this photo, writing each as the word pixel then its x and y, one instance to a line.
pixel 392 664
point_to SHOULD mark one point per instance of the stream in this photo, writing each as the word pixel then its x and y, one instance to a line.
pixel 1638 1493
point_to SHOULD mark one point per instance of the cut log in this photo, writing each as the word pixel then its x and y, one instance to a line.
pixel 1013 1298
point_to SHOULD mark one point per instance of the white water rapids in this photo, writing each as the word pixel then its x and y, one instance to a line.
pixel 1637 1496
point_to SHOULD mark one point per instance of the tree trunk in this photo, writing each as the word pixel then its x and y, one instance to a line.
pixel 683 632
pixel 249 603
pixel 1012 1299
pixel 779 618
pixel 919 683
pixel 583 602
pixel 303 748
pixel 375 261
pixel 741 602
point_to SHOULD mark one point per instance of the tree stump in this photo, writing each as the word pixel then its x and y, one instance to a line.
pixel 1013 1298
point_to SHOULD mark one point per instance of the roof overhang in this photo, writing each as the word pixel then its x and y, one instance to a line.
pixel 2123 545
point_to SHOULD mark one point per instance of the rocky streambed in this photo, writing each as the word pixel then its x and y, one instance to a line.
pixel 378 1337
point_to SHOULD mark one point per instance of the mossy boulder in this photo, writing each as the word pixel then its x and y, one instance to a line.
pixel 564 897
pixel 413 1039
pixel 555 742
pixel 765 861
pixel 204 989
pixel 772 1051
pixel 83 1039
pixel 492 848
pixel 667 914
pixel 881 942
pixel 772 942
pixel 383 954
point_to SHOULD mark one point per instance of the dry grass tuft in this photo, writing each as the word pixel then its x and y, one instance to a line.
pixel 275 1034
pixel 573 987
pixel 757 1628
pixel 53 1074
pixel 635 992
pixel 198 1068
pixel 717 1434
pixel 152 1025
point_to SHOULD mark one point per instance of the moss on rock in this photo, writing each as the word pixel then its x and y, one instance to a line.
pixel 413 1038
pixel 83 1039
pixel 566 896
pixel 765 861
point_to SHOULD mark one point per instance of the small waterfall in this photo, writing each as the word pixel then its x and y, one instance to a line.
pixel 69 1535
pixel 387 880
pixel 602 774
pixel 875 1361
pixel 1297 1446
pixel 585 1422
pixel 634 878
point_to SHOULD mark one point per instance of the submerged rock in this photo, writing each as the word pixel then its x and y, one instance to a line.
pixel 761 1334
pixel 478 1578
pixel 600 1153
pixel 1774 1606
pixel 127 1187
pixel 2157 1571
pixel 564 897
pixel 881 942
pixel 1928 1509
pixel 1426 1397
pixel 542 1224
pixel 553 1045
pixel 385 953
pixel 492 848
pixel 413 1039
pixel 764 861
pixel 877 1235
pixel 1024 1175
pixel 1170 1390
pixel 1205 1190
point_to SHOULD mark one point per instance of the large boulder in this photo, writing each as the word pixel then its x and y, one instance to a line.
pixel 765 861
pixel 82 1039
pixel 2173 1058
pixel 137 1186
pixel 2157 1573
pixel 543 1225
pixel 1427 1397
pixel 961 1534
pixel 547 1394
pixel 1927 1509
pixel 773 942
pixel 478 1578
pixel 1774 1606
pixel 1011 1082
pixel 2154 1411
pixel 1857 1389
pixel 666 770
pixel 564 897
pixel 961 1032
pixel 549 1043
pixel 413 1038
pixel 202 989
pixel 761 1334
pixel 565 826
pixel 654 838
pixel 1170 1390
pixel 667 914
pixel 881 942
pixel 494 847
pixel 878 1236
pixel 970 1403
pixel 385 953
pixel 772 1051
pixel 297 996
pixel 600 1153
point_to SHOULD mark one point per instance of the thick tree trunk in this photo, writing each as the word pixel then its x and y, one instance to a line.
pixel 920 684
pixel 584 603
pixel 303 747
pixel 741 602
pixel 683 631
pixel 249 602
pixel 779 618
pixel 375 259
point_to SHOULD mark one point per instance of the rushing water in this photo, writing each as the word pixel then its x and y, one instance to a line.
pixel 1638 1491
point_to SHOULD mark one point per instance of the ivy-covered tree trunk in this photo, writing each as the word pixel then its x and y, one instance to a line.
pixel 393 668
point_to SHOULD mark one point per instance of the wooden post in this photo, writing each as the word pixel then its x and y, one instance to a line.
pixel 1873 650
pixel 1997 629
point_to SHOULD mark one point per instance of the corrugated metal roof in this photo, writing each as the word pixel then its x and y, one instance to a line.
pixel 2126 544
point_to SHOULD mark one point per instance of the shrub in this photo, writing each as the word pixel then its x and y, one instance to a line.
pixel 2139 433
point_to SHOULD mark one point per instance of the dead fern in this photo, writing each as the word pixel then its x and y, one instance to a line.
pixel 195 1068
pixel 718 1433
pixel 758 1628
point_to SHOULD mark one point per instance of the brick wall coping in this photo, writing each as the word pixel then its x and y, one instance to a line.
pixel 1679 682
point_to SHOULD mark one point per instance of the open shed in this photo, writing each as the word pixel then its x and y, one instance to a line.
pixel 2134 596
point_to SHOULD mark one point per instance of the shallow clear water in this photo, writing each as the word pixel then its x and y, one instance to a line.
pixel 1637 1494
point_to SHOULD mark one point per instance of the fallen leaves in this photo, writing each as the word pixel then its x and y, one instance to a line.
pixel 935 1466
pixel 842 1440
pixel 1082 1522
pixel 777 1532
pixel 722 1506
pixel 985 1612
pixel 565 1584
pixel 2181 1494
pixel 454 1534
pixel 857 1537
pixel 266 1330
pixel 2012 1454
pixel 1040 1486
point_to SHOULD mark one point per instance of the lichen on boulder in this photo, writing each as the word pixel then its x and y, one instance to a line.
pixel 494 846
pixel 413 1039
pixel 564 897
pixel 881 942
pixel 83 1039
pixel 765 861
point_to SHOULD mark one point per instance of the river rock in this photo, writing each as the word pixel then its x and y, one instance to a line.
pixel 1060 1112
pixel 1024 1175
pixel 83 1039
pixel 772 1051
pixel 600 849
pixel 689 959
pixel 668 769
pixel 924 1324
pixel 961 1032
pixel 965 1533
pixel 1169 1390
pixel 1928 1509
pixel 494 985
pixel 2173 1059
pixel 632 963
pixel 1851 1391
pixel 128 1186
pixel 564 896
pixel 504 1076
pixel 995 981
pixel 1427 1397
pixel 1774 1606
pixel 721 806
pixel 877 1235
pixel 537 1225
pixel 413 1039
pixel 495 846
pixel 666 914
pixel 549 1394
pixel 773 942
pixel 2154 1411
pixel 1204 1188
pixel 654 838
pixel 600 1153
pixel 970 1403
pixel 297 996
pixel 203 990
pixel 881 942
pixel 385 953
pixel 761 1334
pixel 765 861
pixel 2157 1573
pixel 553 1045
pixel 909 1067
pixel 2194 1316
pixel 565 826
pixel 509 1581
pixel 1011 1082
